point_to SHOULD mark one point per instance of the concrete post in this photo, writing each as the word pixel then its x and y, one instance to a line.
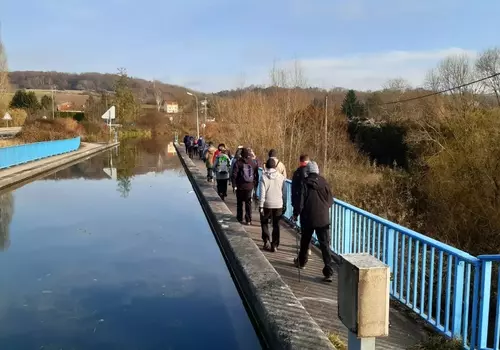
pixel 363 299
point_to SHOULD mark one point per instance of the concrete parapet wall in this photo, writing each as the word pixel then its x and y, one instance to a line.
pixel 282 320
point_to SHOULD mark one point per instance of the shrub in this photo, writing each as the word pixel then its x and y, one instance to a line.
pixel 78 116
pixel 50 129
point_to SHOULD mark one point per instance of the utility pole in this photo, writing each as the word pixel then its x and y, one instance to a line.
pixel 206 103
pixel 53 103
pixel 326 133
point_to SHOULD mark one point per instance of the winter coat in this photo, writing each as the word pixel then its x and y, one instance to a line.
pixel 272 187
pixel 316 200
pixel 297 181
pixel 218 160
pixel 280 167
pixel 237 175
pixel 210 157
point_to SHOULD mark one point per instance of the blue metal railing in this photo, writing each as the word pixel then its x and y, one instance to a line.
pixel 449 288
pixel 20 154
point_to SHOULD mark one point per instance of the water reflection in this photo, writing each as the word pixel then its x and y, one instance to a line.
pixel 6 212
pixel 90 270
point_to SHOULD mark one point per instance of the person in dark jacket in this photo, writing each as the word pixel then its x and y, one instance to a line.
pixel 297 182
pixel 245 176
pixel 315 202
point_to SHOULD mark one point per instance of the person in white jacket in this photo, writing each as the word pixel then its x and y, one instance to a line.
pixel 272 204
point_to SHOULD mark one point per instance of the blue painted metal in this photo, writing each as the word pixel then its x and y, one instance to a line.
pixel 20 154
pixel 418 277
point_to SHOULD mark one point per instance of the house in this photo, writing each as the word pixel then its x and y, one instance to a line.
pixel 65 106
pixel 171 107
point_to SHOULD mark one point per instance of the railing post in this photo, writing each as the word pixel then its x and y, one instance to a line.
pixel 389 253
pixel 458 299
pixel 484 304
pixel 347 234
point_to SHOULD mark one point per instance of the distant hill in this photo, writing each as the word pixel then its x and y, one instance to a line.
pixel 93 82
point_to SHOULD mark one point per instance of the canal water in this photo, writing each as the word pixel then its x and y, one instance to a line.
pixel 115 253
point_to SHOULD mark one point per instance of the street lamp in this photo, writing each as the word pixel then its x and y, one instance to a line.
pixel 197 114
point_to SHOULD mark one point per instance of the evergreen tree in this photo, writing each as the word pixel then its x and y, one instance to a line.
pixel 127 107
pixel 46 102
pixel 351 107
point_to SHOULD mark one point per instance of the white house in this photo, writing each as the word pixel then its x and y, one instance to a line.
pixel 171 107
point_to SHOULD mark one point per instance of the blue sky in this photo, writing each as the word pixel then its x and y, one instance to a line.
pixel 211 45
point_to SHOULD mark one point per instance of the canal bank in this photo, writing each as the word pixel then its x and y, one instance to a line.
pixel 20 174
pixel 282 319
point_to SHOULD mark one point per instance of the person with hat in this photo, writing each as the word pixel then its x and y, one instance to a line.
pixel 316 200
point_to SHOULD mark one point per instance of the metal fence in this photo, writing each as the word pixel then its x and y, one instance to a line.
pixel 20 154
pixel 453 291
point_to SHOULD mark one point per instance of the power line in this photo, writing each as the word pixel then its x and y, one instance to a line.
pixel 440 92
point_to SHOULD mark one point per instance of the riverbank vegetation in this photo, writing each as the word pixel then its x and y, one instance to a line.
pixel 430 162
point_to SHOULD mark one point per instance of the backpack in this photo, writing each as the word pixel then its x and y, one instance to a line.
pixel 247 171
pixel 190 142
pixel 223 165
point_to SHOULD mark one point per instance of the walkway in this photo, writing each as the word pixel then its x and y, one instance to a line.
pixel 320 299
pixel 19 174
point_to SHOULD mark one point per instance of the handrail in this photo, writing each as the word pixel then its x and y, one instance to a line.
pixel 428 240
pixel 20 154
pixel 449 288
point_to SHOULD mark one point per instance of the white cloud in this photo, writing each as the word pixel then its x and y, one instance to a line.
pixel 362 72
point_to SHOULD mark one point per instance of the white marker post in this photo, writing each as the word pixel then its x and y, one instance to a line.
pixel 7 117
pixel 109 115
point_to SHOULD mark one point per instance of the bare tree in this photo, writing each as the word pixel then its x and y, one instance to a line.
pixel 4 76
pixel 398 84
pixel 453 75
pixel 158 96
pixel 488 64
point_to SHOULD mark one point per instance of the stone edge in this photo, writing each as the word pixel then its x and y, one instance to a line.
pixel 282 320
pixel 44 170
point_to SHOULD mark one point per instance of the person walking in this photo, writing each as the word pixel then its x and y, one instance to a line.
pixel 272 204
pixel 190 146
pixel 201 147
pixel 209 156
pixel 258 164
pixel 245 176
pixel 297 182
pixel 222 167
pixel 280 167
pixel 316 199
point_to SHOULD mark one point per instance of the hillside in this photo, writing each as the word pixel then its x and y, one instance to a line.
pixel 92 82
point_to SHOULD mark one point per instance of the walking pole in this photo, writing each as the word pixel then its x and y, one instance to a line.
pixel 297 228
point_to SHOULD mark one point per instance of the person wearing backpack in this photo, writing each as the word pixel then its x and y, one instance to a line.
pixel 280 167
pixel 272 204
pixel 222 166
pixel 245 175
pixel 210 163
pixel 315 201
pixel 189 145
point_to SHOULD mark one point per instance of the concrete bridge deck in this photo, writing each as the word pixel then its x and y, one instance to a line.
pixel 320 298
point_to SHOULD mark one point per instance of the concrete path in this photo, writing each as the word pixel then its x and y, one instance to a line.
pixel 20 174
pixel 320 298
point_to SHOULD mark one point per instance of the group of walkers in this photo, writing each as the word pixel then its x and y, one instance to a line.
pixel 311 197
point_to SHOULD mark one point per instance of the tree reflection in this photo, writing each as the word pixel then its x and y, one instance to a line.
pixel 6 213
pixel 126 163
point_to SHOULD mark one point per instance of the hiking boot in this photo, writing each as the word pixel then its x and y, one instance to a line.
pixel 309 252
pixel 267 246
pixel 297 265
pixel 274 248
pixel 328 279
pixel 248 223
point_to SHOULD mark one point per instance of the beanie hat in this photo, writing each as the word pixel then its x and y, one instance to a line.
pixel 312 168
